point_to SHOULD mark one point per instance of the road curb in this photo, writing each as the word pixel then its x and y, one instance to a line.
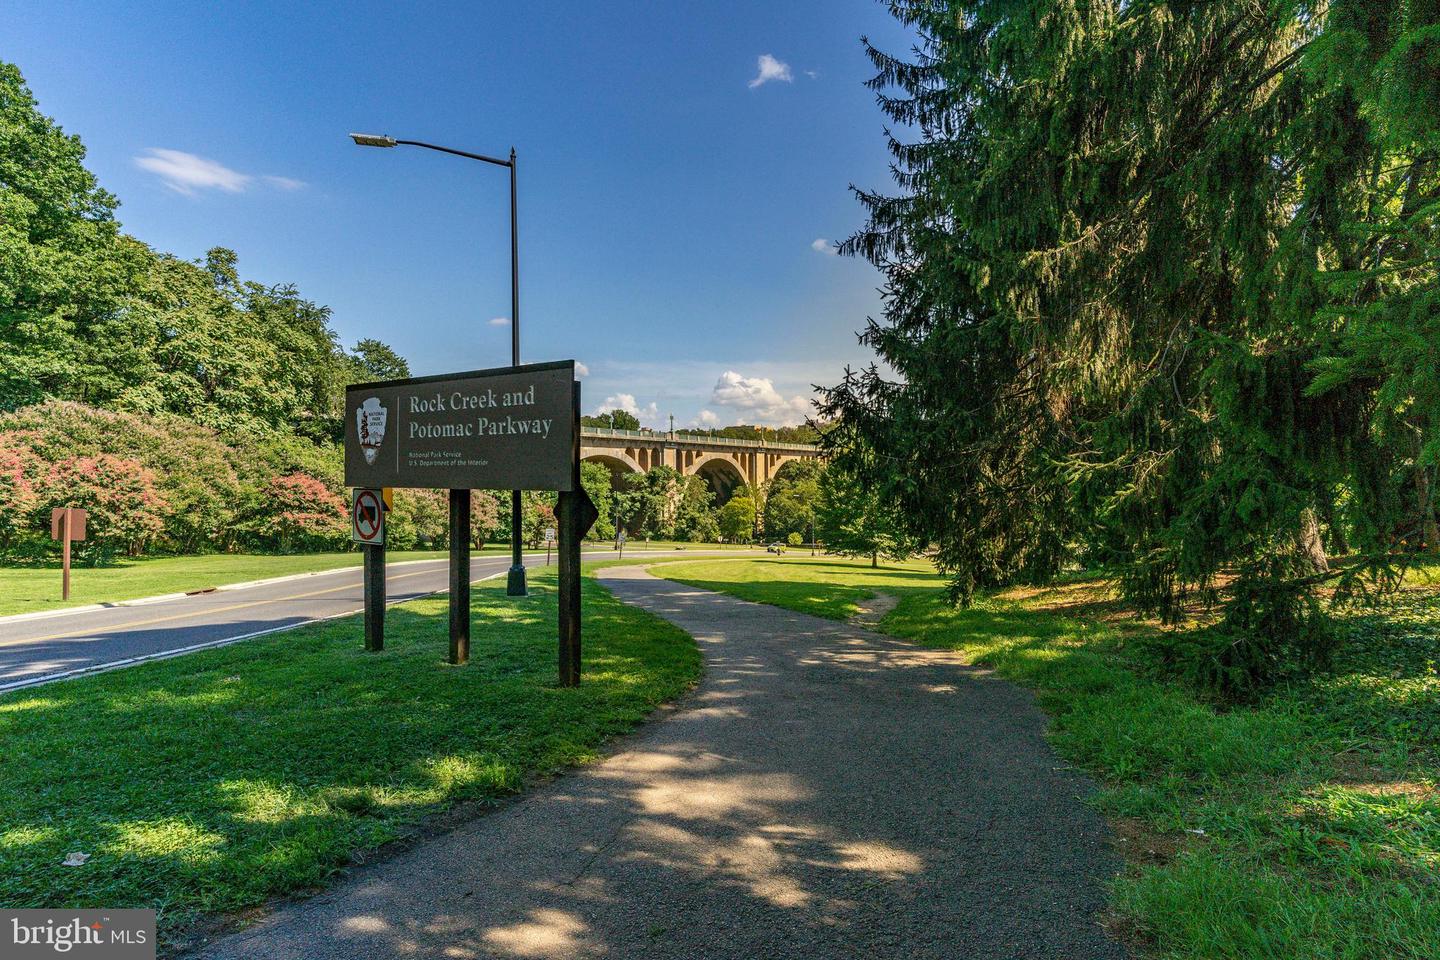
pixel 642 558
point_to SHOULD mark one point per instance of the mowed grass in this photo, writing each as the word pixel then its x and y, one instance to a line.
pixel 1306 825
pixel 32 589
pixel 830 587
pixel 212 782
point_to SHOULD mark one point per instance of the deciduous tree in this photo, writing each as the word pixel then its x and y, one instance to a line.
pixel 737 519
pixel 854 521
pixel 299 512
pixel 18 500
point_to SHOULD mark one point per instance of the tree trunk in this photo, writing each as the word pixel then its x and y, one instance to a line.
pixel 1430 530
pixel 874 558
pixel 1309 543
pixel 1339 545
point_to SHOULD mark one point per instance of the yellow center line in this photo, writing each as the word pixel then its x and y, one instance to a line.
pixel 198 613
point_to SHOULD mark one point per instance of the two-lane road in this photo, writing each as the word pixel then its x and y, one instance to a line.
pixel 69 643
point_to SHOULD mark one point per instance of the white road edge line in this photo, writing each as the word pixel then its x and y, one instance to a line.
pixel 48 678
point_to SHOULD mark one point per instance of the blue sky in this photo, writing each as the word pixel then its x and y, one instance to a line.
pixel 674 186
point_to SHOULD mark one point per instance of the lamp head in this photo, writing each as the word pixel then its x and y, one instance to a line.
pixel 372 140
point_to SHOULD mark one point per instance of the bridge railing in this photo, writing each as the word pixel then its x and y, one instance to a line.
pixel 650 436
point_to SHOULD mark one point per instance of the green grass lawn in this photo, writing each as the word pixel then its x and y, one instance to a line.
pixel 211 782
pixel 829 587
pixel 1306 825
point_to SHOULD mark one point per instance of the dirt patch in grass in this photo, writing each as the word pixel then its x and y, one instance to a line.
pixel 1352 768
pixel 1406 789
pixel 872 611
pixel 1142 845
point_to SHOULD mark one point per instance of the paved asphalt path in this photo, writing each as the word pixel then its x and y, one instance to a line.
pixel 826 793
pixel 38 649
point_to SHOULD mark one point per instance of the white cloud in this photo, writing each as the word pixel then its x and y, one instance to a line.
pixel 185 172
pixel 706 419
pixel 581 370
pixel 771 69
pixel 684 386
pixel 757 399
pixel 813 74
pixel 821 245
pixel 499 321
pixel 619 401
pixel 189 173
pixel 648 415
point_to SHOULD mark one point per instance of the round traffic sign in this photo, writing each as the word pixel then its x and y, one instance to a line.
pixel 367 519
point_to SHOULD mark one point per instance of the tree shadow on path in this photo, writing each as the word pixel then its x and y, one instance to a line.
pixel 826 792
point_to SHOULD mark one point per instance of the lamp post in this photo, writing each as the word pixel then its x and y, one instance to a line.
pixel 515 585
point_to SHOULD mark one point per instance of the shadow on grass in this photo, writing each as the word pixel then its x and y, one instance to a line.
pixel 213 781
pixel 826 792
pixel 1301 825
pixel 1306 816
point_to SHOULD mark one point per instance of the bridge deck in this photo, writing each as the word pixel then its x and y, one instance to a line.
pixel 699 440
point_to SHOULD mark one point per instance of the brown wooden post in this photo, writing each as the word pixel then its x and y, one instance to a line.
pixel 575 515
pixel 374 596
pixel 460 576
pixel 65 554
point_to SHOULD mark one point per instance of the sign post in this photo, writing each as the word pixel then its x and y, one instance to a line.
pixel 576 514
pixel 67 524
pixel 511 428
pixel 620 542
pixel 459 577
pixel 367 528
pixel 549 541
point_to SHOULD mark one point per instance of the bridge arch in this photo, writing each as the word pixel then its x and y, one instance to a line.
pixel 721 472
pixel 778 467
pixel 618 462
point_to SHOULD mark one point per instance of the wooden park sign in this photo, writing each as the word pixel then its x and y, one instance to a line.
pixel 66 525
pixel 511 428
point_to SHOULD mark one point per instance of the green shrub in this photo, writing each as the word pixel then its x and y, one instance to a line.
pixel 1271 632
pixel 418 518
pixel 212 489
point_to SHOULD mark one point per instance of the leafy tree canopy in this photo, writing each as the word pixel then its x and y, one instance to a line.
pixel 614 420
pixel 737 519
pixel 91 315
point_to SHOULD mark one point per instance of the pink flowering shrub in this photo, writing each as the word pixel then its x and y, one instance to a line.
pixel 18 499
pixel 299 512
pixel 126 510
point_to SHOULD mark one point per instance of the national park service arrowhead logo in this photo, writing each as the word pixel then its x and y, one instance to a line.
pixel 370 420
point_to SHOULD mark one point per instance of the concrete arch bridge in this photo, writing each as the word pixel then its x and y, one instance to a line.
pixel 724 463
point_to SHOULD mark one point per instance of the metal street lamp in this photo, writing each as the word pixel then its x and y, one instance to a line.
pixel 515 585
